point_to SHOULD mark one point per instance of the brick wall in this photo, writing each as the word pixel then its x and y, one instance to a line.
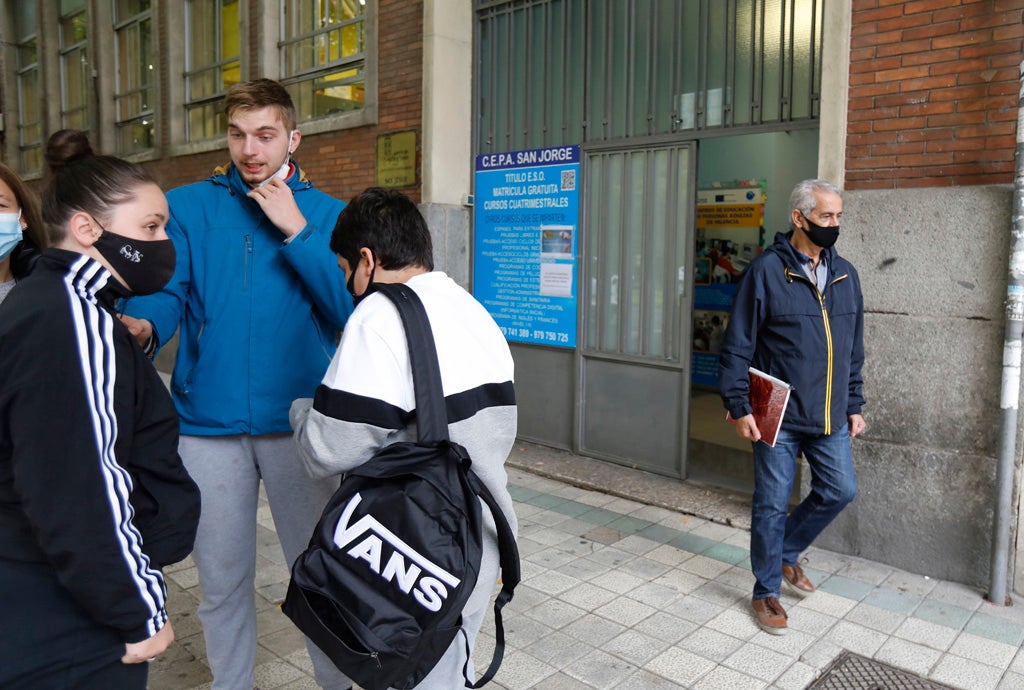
pixel 343 163
pixel 933 92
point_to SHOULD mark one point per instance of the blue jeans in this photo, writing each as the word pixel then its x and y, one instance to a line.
pixel 775 538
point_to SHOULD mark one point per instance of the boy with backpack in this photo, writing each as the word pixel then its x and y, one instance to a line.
pixel 367 398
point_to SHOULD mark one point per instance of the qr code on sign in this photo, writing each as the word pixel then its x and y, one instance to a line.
pixel 568 180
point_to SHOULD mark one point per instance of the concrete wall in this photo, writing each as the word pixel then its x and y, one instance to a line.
pixel 447 117
pixel 449 232
pixel 933 265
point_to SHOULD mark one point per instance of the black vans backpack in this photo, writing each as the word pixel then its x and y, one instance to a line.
pixel 382 585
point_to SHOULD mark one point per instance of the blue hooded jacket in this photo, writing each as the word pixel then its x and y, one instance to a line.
pixel 259 318
pixel 814 341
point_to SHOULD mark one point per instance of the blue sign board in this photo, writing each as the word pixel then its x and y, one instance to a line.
pixel 526 222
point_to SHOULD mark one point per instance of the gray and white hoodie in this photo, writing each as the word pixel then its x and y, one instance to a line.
pixel 367 401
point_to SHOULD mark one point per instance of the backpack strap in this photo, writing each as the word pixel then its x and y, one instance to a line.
pixel 431 411
pixel 508 555
pixel 432 427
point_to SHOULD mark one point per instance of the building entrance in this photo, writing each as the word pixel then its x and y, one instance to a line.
pixel 661 97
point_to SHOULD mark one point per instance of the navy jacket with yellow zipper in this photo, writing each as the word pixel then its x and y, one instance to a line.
pixel 783 325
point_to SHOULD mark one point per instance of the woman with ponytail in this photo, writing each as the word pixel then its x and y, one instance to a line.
pixel 94 500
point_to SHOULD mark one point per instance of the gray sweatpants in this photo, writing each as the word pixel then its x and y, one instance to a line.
pixel 449 673
pixel 228 470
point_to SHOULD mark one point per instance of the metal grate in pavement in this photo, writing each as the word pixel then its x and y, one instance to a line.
pixel 851 671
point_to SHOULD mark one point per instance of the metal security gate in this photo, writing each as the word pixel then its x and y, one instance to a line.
pixel 556 72
pixel 635 301
pixel 634 83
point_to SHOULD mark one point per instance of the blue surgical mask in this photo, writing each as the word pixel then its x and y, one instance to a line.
pixel 10 233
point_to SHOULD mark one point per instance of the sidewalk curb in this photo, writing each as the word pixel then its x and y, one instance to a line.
pixel 682 496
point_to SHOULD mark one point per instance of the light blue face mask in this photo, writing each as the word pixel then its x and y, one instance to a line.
pixel 10 233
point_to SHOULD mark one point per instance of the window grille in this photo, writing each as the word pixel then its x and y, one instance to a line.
pixel 323 55
pixel 634 285
pixel 555 72
pixel 30 106
pixel 134 92
pixel 75 71
pixel 212 65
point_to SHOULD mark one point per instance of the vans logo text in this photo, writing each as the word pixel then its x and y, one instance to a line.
pixel 405 566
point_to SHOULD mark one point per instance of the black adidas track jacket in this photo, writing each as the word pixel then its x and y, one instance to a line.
pixel 90 478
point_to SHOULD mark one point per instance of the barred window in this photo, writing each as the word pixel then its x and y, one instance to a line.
pixel 627 69
pixel 134 91
pixel 75 70
pixel 323 55
pixel 92 65
pixel 29 89
pixel 212 64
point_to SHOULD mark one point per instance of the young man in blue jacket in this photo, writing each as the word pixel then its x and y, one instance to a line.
pixel 799 316
pixel 259 300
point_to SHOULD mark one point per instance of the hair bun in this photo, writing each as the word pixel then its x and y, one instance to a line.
pixel 64 147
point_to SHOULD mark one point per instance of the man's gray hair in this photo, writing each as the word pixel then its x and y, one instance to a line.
pixel 802 197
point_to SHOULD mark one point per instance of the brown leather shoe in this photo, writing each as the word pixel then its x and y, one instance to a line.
pixel 771 617
pixel 794 575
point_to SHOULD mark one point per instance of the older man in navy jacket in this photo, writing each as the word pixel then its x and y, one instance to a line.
pixel 799 316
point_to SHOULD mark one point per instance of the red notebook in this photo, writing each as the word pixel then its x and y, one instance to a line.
pixel 768 399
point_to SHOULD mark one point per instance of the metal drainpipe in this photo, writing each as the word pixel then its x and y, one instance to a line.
pixel 1008 401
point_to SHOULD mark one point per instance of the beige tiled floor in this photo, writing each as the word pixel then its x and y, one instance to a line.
pixel 630 594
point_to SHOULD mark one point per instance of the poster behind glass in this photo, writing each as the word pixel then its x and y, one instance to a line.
pixel 730 233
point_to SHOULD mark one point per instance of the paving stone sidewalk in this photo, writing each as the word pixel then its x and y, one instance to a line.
pixel 618 593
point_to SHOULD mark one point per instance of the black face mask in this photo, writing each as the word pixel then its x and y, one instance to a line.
pixel 821 235
pixel 351 285
pixel 146 266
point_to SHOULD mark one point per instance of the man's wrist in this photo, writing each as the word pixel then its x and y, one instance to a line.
pixel 290 235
